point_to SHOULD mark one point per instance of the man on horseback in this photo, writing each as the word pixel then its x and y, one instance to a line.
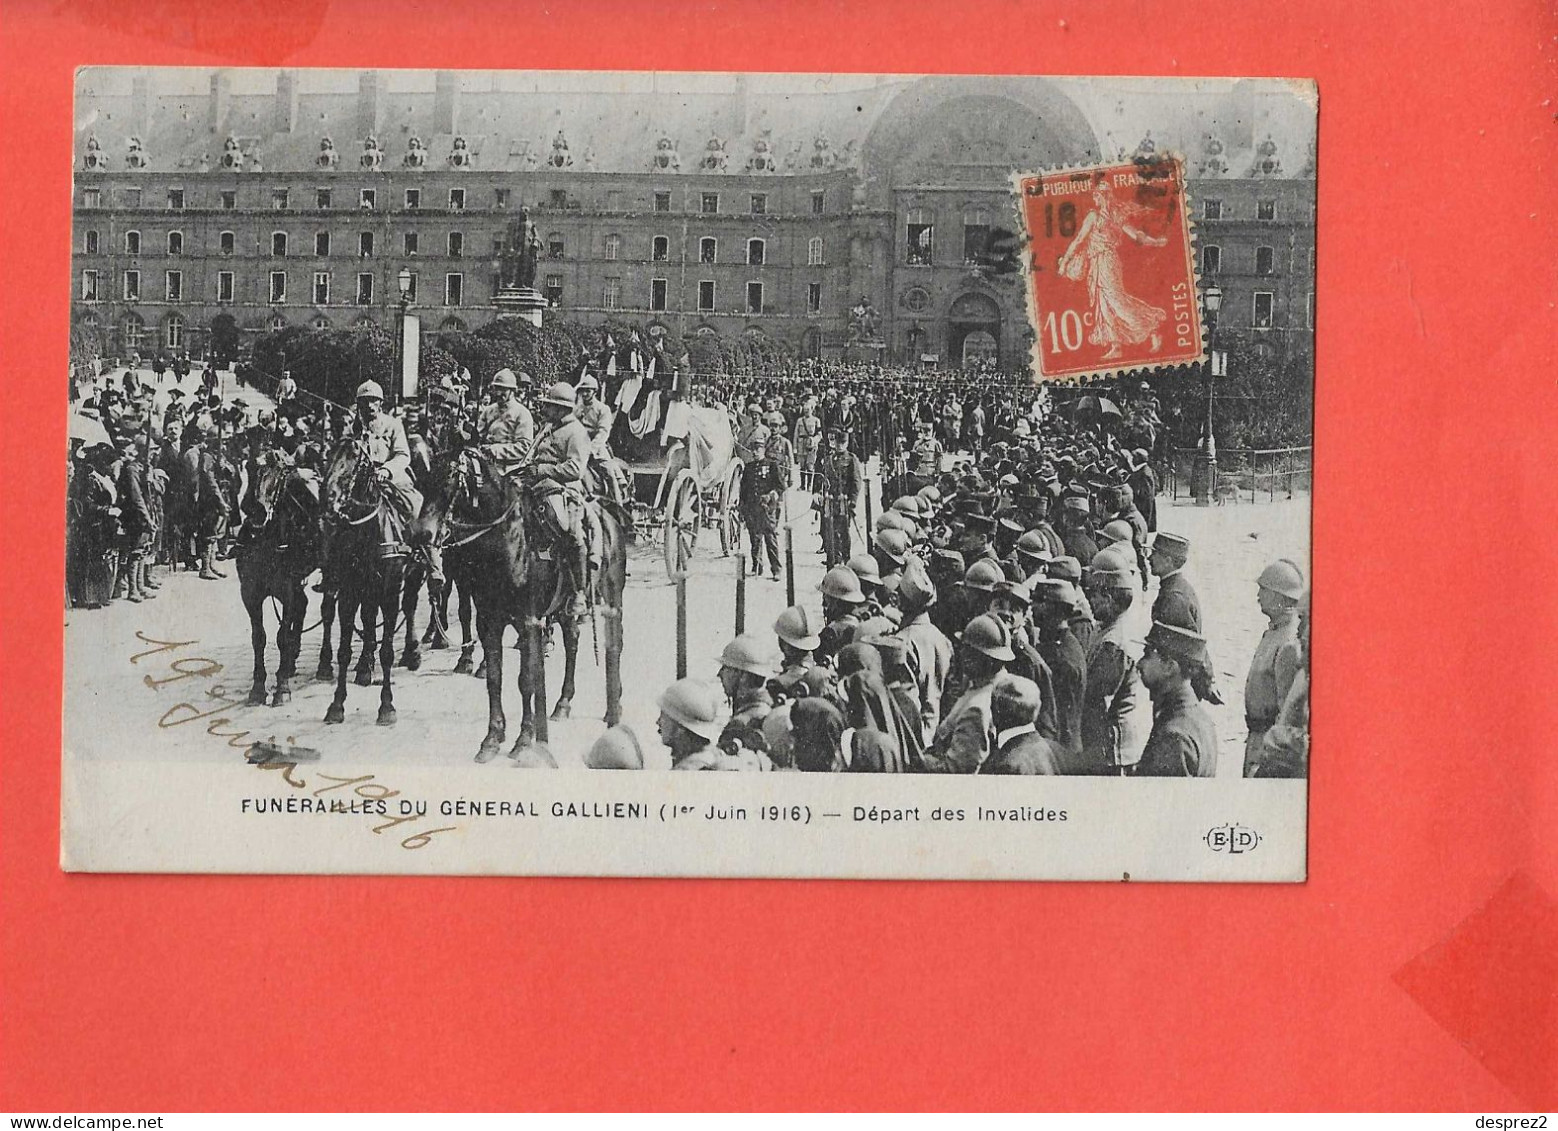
pixel 506 426
pixel 383 440
pixel 597 418
pixel 556 478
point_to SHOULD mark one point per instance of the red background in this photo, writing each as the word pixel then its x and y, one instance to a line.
pixel 1434 649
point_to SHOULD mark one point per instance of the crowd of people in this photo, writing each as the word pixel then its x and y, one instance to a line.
pixel 990 620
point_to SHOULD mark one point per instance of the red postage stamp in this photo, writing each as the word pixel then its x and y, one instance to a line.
pixel 1111 271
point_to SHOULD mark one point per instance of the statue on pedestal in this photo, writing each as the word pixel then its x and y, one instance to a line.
pixel 521 250
pixel 864 324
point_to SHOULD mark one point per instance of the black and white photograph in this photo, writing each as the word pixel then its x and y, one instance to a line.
pixel 425 426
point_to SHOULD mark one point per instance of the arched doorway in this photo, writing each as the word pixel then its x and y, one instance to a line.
pixel 811 343
pixel 974 324
pixel 979 348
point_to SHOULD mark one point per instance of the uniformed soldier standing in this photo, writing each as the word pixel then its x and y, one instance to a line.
pixel 1278 656
pixel 1183 743
pixel 762 492
pixel 808 437
pixel 838 495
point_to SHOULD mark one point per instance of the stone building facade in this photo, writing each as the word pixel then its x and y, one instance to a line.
pixel 844 222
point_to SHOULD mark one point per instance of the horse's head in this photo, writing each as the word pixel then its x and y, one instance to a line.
pixel 463 484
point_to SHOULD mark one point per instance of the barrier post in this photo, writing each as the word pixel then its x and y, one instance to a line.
pixel 789 567
pixel 681 626
pixel 741 594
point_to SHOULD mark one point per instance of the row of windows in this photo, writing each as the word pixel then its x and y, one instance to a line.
pixel 282 199
pixel 1212 209
pixel 1265 260
pixel 454 290
pixel 556 246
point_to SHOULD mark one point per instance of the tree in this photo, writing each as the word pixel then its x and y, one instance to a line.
pixel 224 340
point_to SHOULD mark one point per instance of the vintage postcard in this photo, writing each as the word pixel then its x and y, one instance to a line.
pixel 875 443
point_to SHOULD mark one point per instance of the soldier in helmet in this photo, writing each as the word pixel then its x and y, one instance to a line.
pixel 962 741
pixel 746 666
pixel 929 652
pixel 506 429
pixel 383 440
pixel 689 724
pixel 842 602
pixel 797 640
pixel 556 477
pixel 1278 657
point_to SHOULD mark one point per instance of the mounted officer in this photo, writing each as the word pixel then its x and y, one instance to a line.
pixel 507 427
pixel 556 478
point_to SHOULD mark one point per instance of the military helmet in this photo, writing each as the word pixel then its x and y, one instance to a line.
pixel 749 653
pixel 989 635
pixel 916 590
pixel 588 381
pixel 866 569
pixel 1283 576
pixel 795 629
pixel 694 705
pixel 907 504
pixel 893 543
pixel 983 575
pixel 841 584
pixel 561 394
pixel 370 390
pixel 503 379
pixel 1033 544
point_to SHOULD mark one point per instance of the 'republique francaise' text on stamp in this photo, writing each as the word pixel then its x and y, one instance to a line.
pixel 1110 269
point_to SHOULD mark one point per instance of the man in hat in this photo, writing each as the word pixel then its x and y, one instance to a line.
pixel 689 724
pixel 842 601
pixel 779 449
pixel 212 506
pixel 929 650
pixel 746 666
pixel 839 480
pixel 797 640
pixel 1286 751
pixel 1075 522
pixel 1115 713
pixel 556 477
pixel 1013 603
pixel 890 552
pixel 808 438
pixel 962 741
pixel 1055 605
pixel 1176 603
pixel 925 457
pixel 135 523
pixel 1183 743
pixel 1278 657
pixel 1143 482
pixel 762 497
pixel 1123 509
pixel 506 429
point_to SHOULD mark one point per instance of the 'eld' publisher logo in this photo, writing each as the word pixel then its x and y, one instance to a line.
pixel 1232 839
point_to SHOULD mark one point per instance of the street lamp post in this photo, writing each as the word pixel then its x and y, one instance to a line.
pixel 399 381
pixel 1203 475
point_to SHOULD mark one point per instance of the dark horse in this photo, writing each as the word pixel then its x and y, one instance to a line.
pixel 482 519
pixel 369 571
pixel 273 561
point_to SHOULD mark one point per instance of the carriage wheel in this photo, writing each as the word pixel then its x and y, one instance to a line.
pixel 683 517
pixel 730 510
